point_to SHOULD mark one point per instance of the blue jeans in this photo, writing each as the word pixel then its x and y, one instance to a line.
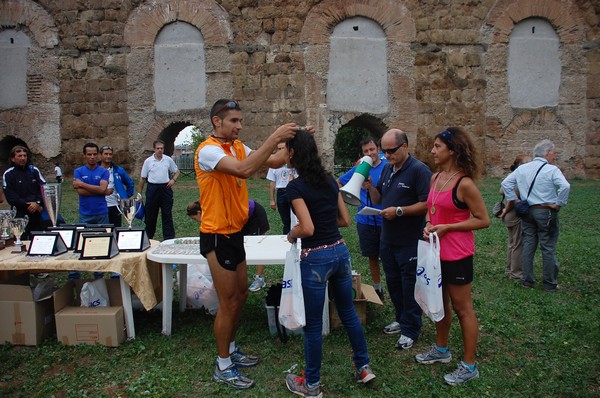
pixel 333 265
pixel 400 267
pixel 541 226
pixel 94 219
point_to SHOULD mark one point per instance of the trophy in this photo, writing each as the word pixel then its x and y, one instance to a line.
pixel 17 227
pixel 5 217
pixel 129 208
pixel 52 195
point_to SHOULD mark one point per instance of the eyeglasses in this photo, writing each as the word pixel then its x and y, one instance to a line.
pixel 228 105
pixel 392 150
pixel 105 147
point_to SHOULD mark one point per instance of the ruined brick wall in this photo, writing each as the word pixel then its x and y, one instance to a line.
pixel 446 66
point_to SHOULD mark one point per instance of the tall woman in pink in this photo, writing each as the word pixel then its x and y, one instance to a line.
pixel 455 208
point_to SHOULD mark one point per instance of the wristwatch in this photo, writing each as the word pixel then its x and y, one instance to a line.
pixel 399 211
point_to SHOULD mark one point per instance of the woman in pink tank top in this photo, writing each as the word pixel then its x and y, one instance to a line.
pixel 455 208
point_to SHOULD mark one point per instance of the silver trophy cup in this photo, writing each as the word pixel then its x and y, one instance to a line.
pixel 5 217
pixel 17 227
pixel 52 196
pixel 129 208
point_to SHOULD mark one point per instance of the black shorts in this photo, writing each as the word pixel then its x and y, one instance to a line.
pixel 258 223
pixel 368 239
pixel 459 272
pixel 229 249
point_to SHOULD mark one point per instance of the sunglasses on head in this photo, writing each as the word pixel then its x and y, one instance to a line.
pixel 105 147
pixel 391 150
pixel 228 105
pixel 446 137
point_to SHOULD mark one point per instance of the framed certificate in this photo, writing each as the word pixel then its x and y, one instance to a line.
pixel 107 227
pixel 98 246
pixel 67 233
pixel 44 243
pixel 132 239
pixel 78 244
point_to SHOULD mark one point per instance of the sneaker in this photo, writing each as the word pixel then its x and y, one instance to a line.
pixel 380 294
pixel 232 377
pixel 257 284
pixel 392 328
pixel 552 289
pixel 404 342
pixel 433 355
pixel 42 275
pixel 297 385
pixel 243 360
pixel 462 374
pixel 364 374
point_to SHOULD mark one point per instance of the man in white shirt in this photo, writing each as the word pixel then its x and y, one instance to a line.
pixel 161 173
pixel 549 193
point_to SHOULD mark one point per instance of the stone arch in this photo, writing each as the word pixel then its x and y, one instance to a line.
pixel 397 22
pixel 509 130
pixel 143 25
pixel 37 123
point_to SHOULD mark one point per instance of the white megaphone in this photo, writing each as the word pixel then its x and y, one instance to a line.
pixel 351 191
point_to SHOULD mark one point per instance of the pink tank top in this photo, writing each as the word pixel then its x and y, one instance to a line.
pixel 455 245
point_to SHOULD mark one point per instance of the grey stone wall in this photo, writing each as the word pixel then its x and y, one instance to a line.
pixel 90 76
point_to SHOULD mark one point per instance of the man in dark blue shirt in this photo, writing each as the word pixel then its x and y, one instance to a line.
pixel 402 191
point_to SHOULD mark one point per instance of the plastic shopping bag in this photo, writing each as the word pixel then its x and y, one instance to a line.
pixel 200 289
pixel 291 307
pixel 428 287
pixel 95 294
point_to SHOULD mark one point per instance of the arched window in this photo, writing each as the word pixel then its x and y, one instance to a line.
pixel 179 68
pixel 533 64
pixel 357 78
pixel 14 47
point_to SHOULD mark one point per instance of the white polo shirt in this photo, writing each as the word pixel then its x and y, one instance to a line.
pixel 157 171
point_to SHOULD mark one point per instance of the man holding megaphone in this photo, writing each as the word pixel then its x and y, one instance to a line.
pixel 368 226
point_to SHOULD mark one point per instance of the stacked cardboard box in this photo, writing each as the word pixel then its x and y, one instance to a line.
pixel 364 294
pixel 89 325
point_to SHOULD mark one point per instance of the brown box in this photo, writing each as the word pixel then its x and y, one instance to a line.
pixel 89 325
pixel 367 295
pixel 24 321
pixel 356 286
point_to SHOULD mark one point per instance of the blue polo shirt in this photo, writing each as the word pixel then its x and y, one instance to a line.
pixel 374 173
pixel 405 187
pixel 92 205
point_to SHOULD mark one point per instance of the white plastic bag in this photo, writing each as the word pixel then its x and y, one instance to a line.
pixel 200 289
pixel 291 307
pixel 428 287
pixel 95 294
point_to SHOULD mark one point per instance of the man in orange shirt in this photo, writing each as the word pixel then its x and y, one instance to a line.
pixel 223 163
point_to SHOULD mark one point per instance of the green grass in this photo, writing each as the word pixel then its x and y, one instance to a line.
pixel 531 344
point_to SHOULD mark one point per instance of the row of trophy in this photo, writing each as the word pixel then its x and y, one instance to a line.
pixel 134 239
pixel 16 225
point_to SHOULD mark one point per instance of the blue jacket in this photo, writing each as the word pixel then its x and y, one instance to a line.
pixel 124 185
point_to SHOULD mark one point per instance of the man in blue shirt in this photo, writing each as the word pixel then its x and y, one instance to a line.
pixel 369 227
pixel 549 193
pixel 402 191
pixel 119 182
pixel 91 183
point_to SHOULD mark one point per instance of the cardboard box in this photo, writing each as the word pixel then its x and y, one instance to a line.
pixel 24 321
pixel 367 295
pixel 89 325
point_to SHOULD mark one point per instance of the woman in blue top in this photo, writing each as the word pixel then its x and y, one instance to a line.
pixel 324 257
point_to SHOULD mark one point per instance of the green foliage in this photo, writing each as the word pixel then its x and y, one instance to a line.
pixel 531 343
pixel 196 138
pixel 347 145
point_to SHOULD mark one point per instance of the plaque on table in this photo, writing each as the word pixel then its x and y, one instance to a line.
pixel 46 243
pixel 132 239
pixel 67 233
pixel 107 227
pixel 98 246
pixel 79 238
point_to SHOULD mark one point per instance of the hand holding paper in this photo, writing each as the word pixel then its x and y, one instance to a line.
pixel 369 211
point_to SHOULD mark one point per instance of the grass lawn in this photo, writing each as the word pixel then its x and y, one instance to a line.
pixel 531 343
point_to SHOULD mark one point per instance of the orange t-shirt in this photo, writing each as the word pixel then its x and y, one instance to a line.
pixel 223 197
